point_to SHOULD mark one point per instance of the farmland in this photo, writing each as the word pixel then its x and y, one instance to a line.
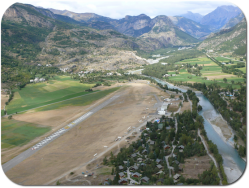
pixel 210 72
pixel 17 133
pixel 39 94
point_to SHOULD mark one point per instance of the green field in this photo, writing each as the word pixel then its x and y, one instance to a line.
pixel 17 133
pixel 39 94
pixel 243 69
pixel 210 70
pixel 79 101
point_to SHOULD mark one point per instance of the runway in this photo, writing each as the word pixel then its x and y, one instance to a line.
pixel 24 155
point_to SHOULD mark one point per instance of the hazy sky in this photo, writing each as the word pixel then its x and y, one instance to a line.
pixel 119 9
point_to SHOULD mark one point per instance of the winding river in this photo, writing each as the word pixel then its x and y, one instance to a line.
pixel 233 164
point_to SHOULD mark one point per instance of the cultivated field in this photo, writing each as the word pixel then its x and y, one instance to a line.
pixel 35 95
pixel 78 145
pixel 210 72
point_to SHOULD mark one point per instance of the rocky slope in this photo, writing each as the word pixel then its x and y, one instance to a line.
pixel 227 40
pixel 220 16
pixel 191 27
pixel 233 21
pixel 192 16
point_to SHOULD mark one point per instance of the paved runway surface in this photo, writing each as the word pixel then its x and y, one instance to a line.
pixel 24 155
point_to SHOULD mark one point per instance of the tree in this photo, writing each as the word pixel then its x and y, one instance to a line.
pixel 232 81
pixel 225 80
pixel 10 117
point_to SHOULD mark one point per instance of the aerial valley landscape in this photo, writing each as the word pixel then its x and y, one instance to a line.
pixel 143 98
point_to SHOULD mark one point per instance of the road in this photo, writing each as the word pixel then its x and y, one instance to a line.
pixel 24 155
pixel 171 154
pixel 199 133
pixel 99 155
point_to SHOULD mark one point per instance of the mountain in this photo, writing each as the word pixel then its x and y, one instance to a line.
pixel 192 16
pixel 191 27
pixel 220 16
pixel 233 21
pixel 164 34
pixel 227 40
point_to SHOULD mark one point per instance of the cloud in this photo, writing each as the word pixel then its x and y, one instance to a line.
pixel 119 9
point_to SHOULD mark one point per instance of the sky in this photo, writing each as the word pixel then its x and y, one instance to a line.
pixel 119 9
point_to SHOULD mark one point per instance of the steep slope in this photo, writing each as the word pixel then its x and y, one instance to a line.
pixel 164 34
pixel 233 21
pixel 192 16
pixel 191 27
pixel 233 39
pixel 33 36
pixel 220 16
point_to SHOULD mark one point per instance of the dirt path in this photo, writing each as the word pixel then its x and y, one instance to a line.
pixel 210 155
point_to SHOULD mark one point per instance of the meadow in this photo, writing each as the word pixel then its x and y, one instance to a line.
pixel 79 101
pixel 17 133
pixel 39 94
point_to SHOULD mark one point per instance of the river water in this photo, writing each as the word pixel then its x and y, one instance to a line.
pixel 231 158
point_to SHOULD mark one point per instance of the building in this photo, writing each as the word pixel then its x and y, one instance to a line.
pixel 176 176
pixel 145 179
pixel 136 175
pixel 36 80
pixel 134 167
pixel 121 167
pixel 181 147
pixel 161 112
pixel 31 81
pixel 123 181
pixel 121 175
pixel 158 161
pixel 166 146
pixel 159 166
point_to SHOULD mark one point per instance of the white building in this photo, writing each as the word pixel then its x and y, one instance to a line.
pixel 109 74
pixel 42 79
pixel 161 112
pixel 48 65
pixel 31 81
pixel 36 80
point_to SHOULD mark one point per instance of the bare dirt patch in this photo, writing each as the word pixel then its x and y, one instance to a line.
pixel 78 145
pixel 194 166
pixel 185 106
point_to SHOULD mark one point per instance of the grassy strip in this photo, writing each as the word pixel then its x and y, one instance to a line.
pixel 20 109
pixel 79 101
pixel 17 133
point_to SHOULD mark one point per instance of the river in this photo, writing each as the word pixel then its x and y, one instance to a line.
pixel 234 165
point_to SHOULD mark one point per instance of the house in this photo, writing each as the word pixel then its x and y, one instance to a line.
pixel 133 155
pixel 136 175
pixel 160 172
pixel 145 179
pixel 125 162
pixel 134 167
pixel 42 79
pixel 161 112
pixel 161 180
pixel 181 150
pixel 163 142
pixel 106 183
pixel 121 175
pixel 145 134
pixel 122 181
pixel 31 81
pixel 176 176
pixel 142 164
pixel 181 147
pixel 152 142
pixel 109 74
pixel 158 161
pixel 166 146
pixel 176 162
pixel 36 80
pixel 159 166
pixel 39 65
pixel 140 159
pixel 121 167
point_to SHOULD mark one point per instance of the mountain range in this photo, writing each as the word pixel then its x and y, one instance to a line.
pixel 34 35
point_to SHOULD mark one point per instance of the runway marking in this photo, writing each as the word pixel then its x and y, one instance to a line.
pixel 60 131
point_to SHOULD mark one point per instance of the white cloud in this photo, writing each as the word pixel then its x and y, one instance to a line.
pixel 119 9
